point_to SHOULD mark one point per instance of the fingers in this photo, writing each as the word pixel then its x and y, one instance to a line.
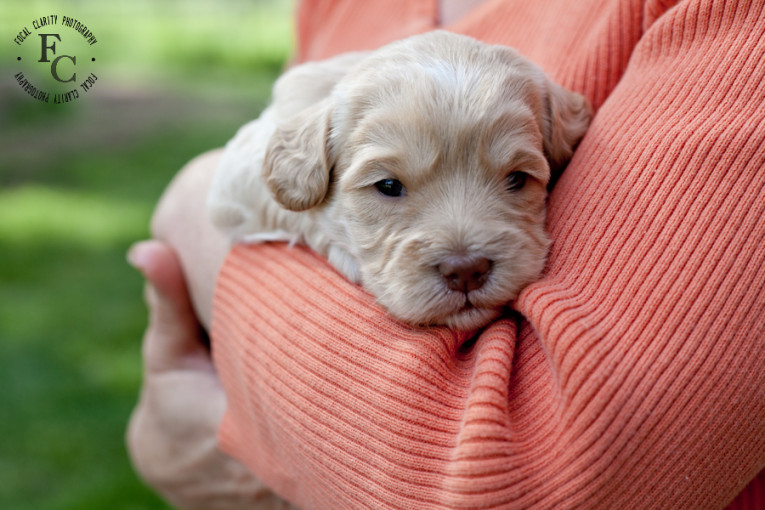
pixel 173 339
pixel 161 267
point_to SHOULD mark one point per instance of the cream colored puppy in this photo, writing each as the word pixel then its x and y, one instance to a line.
pixel 419 170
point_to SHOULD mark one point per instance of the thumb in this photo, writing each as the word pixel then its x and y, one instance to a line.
pixel 173 339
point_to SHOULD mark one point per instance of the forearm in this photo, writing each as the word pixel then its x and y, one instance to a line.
pixel 363 410
pixel 637 378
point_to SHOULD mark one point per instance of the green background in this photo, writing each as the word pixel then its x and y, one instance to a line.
pixel 78 182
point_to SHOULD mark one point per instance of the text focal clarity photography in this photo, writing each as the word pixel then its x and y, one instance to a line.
pixel 55 58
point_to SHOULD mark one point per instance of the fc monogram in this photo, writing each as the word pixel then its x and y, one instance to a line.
pixel 54 65
pixel 58 59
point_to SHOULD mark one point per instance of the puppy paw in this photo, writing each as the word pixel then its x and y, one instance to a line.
pixel 346 264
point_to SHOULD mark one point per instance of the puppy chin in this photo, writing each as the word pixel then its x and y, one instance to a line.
pixel 454 311
pixel 469 318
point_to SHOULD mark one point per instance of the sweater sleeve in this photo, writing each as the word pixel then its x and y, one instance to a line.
pixel 631 375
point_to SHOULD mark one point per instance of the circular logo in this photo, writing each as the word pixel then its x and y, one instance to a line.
pixel 56 59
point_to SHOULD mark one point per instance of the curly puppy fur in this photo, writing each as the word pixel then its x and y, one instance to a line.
pixel 419 170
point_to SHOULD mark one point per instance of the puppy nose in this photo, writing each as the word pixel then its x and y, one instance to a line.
pixel 464 273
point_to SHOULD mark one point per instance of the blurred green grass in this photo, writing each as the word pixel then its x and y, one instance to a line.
pixel 77 186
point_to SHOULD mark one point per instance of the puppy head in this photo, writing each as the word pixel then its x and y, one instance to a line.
pixel 441 149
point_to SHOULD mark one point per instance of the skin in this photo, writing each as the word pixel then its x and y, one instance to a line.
pixel 172 434
pixel 181 221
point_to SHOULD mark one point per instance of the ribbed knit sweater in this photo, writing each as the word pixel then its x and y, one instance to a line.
pixel 632 375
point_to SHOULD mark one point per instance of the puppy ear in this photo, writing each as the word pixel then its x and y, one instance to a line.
pixel 568 116
pixel 296 166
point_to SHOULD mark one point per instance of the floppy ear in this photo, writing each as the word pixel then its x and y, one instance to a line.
pixel 296 166
pixel 568 115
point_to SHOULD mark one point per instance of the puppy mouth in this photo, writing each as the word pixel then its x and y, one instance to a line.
pixel 469 305
pixel 477 299
pixel 469 315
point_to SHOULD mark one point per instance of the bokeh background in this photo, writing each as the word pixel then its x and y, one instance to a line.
pixel 78 182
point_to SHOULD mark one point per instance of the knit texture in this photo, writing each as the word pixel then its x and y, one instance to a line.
pixel 632 375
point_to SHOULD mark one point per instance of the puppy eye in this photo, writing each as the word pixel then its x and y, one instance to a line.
pixel 515 181
pixel 390 187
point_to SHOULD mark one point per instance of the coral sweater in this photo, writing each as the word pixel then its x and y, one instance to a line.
pixel 631 376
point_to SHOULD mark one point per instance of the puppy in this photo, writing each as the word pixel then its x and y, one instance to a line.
pixel 419 170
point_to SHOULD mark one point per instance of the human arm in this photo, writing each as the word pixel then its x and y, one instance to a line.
pixel 636 377
pixel 633 388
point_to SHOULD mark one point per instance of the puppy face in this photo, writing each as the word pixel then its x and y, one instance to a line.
pixel 429 165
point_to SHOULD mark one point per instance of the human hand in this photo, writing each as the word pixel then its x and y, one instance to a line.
pixel 172 435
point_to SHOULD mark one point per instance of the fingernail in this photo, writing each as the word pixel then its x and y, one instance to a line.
pixel 137 255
